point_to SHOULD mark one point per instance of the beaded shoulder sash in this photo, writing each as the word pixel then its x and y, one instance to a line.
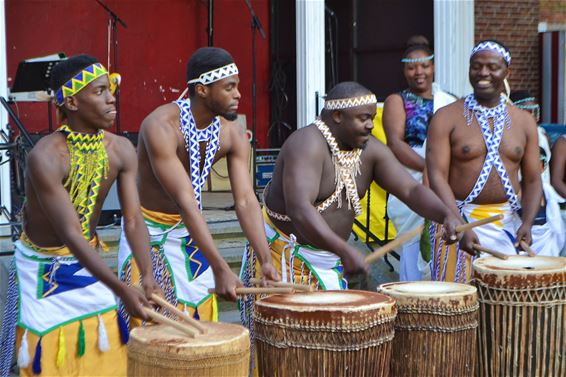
pixel 347 166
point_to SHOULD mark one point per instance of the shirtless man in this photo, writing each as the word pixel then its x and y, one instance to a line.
pixel 320 173
pixel 178 143
pixel 474 186
pixel 68 177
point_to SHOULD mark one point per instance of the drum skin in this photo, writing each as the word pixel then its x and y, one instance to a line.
pixel 161 350
pixel 327 333
pixel 435 329
pixel 522 328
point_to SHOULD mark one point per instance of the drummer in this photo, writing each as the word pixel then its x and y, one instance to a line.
pixel 476 148
pixel 322 171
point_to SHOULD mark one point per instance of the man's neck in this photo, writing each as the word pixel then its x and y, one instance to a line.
pixel 488 102
pixel 80 127
pixel 201 114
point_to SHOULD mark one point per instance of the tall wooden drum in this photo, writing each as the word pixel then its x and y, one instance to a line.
pixel 522 316
pixel 160 350
pixel 435 329
pixel 328 333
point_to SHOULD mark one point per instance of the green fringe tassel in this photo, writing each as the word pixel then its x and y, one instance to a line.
pixel 81 345
pixel 426 242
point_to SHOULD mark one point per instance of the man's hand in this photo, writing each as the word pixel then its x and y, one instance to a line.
pixel 134 301
pixel 226 283
pixel 467 242
pixel 523 234
pixel 269 272
pixel 150 287
pixel 354 263
pixel 451 221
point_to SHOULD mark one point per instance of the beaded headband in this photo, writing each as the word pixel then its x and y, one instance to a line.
pixel 345 103
pixel 495 47
pixel 418 60
pixel 215 75
pixel 79 82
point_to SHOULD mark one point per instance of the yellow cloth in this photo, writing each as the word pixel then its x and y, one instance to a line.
pixel 92 363
pixel 377 196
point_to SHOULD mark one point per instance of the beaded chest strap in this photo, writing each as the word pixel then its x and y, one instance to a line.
pixel 346 166
pixel 89 165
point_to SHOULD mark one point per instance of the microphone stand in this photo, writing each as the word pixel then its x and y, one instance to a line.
pixel 256 26
pixel 114 19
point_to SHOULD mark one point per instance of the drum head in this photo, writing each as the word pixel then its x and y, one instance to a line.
pixel 329 301
pixel 426 289
pixel 520 265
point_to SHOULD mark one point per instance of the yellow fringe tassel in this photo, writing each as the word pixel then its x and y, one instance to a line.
pixel 62 351
pixel 214 308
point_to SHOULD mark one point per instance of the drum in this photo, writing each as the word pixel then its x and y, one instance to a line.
pixel 435 329
pixel 327 333
pixel 161 350
pixel 522 316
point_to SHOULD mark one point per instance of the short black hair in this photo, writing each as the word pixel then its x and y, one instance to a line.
pixel 206 59
pixel 66 69
pixel 417 43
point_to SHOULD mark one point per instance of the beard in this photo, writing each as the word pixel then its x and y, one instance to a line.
pixel 229 116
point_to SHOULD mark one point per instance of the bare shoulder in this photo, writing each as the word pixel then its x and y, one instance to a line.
pixel 232 133
pixel 119 145
pixel 393 100
pixel 163 117
pixel 452 110
pixel 49 153
pixel 522 118
pixel 559 147
pixel 305 142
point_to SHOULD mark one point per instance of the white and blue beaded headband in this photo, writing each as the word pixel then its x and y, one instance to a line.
pixel 418 60
pixel 345 103
pixel 492 46
pixel 215 75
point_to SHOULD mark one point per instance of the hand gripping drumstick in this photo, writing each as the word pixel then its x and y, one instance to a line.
pixel 528 249
pixel 165 304
pixel 467 226
pixel 378 253
pixel 484 249
pixel 298 287
pixel 258 290
pixel 160 318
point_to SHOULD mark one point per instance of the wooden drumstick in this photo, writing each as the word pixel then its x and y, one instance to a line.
pixel 298 287
pixel 259 290
pixel 191 321
pixel 159 318
pixel 484 249
pixel 528 248
pixel 468 226
pixel 378 253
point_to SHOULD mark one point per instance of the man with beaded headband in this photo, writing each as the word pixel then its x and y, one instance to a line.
pixel 178 144
pixel 476 148
pixel 320 174
pixel 62 295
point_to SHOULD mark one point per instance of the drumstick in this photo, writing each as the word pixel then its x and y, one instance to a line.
pixel 528 249
pixel 160 318
pixel 191 321
pixel 259 290
pixel 378 253
pixel 165 304
pixel 298 287
pixel 484 249
pixel 467 226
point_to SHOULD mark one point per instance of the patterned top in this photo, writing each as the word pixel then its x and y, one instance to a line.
pixel 418 111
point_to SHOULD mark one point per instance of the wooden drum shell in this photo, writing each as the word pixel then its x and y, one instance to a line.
pixel 160 350
pixel 435 329
pixel 522 316
pixel 324 340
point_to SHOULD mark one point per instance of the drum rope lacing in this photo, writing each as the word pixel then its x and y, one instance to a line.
pixel 524 296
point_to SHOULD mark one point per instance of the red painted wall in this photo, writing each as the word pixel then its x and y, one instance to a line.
pixel 153 50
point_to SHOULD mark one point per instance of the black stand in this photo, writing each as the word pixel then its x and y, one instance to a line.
pixel 256 26
pixel 210 23
pixel 114 18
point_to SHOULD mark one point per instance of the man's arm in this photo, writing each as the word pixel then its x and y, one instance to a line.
pixel 531 183
pixel 161 143
pixel 392 176
pixel 46 174
pixel 558 166
pixel 245 201
pixel 394 118
pixel 301 178
pixel 134 226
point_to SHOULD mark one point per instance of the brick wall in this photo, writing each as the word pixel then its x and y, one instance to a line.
pixel 553 12
pixel 515 24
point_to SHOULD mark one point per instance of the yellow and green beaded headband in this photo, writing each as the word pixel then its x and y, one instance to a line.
pixel 79 81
